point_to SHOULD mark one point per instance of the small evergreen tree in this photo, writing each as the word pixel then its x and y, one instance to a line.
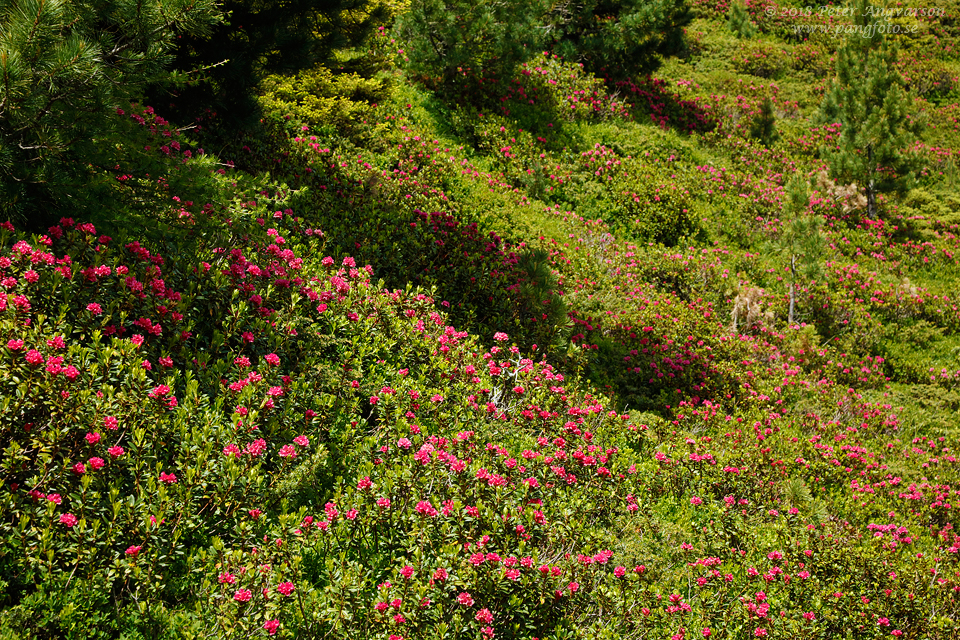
pixel 764 126
pixel 738 21
pixel 618 37
pixel 64 64
pixel 801 241
pixel 446 39
pixel 868 99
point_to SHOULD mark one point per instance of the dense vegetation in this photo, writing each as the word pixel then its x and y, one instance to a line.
pixel 461 338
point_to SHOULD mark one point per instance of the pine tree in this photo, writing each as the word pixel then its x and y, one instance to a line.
pixel 64 64
pixel 764 127
pixel 447 39
pixel 738 21
pixel 868 99
pixel 801 241
pixel 618 38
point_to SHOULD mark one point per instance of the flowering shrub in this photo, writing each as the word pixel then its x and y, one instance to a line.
pixel 761 59
pixel 502 379
pixel 926 76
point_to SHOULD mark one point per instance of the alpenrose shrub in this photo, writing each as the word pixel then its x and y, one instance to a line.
pixel 132 467
pixel 260 441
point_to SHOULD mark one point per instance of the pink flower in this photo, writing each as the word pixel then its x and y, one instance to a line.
pixel 79 468
pixel 68 519
pixel 464 598
pixel 424 508
pixel 272 359
pixel 484 615
pixel 271 626
pixel 256 448
pixel 159 391
pixel 440 575
pixel 110 423
pixel 34 358
pixel 54 498
pixel 760 632
pixel 285 588
pixel 92 438
pixel 15 345
pixel 94 308
pixel 288 451
pixel 383 503
pixel 226 578
pixel 242 595
pixel 168 478
pixel 407 572
pixel 331 510
pixel 96 463
pixel 303 441
pixel 620 572
pixel 115 452
pixel 500 336
pixel 696 501
pixel 403 443
pixel 707 632
pixel 133 550
pixel 364 483
pixel 573 587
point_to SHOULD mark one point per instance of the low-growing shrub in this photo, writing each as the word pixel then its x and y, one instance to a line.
pixel 761 59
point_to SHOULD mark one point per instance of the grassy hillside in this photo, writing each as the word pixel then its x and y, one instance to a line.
pixel 512 361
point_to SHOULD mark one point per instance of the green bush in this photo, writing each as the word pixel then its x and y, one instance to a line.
pixel 319 101
pixel 761 59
